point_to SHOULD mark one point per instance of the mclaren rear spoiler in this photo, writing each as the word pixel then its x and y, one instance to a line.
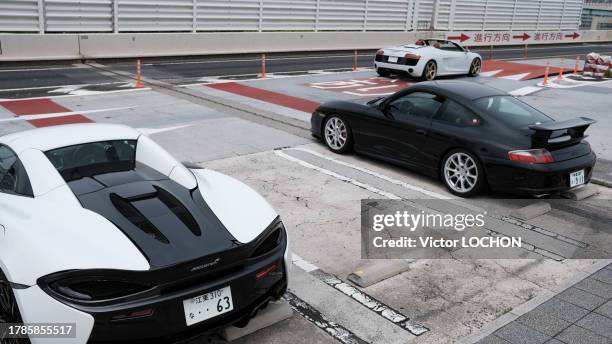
pixel 560 133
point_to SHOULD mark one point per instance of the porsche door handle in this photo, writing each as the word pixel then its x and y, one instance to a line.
pixel 421 132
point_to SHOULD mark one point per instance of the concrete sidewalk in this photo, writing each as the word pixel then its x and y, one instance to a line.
pixel 581 313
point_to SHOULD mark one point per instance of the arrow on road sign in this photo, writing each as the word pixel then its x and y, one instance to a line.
pixel 573 36
pixel 524 36
pixel 461 38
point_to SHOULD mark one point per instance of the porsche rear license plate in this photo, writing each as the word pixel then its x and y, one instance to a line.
pixel 208 306
pixel 392 59
pixel 576 178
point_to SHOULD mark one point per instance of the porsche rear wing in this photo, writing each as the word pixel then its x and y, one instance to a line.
pixel 569 132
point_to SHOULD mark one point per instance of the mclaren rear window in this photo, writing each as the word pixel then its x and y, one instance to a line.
pixel 90 159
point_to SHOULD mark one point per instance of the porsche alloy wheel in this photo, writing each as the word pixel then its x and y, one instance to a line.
pixel 337 135
pixel 475 67
pixel 430 71
pixel 462 173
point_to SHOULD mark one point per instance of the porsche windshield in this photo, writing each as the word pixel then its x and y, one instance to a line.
pixel 90 159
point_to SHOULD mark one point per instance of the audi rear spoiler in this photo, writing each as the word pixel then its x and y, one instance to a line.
pixel 574 132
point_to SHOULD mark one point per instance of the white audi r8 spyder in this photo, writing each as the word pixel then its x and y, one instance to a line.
pixel 427 59
pixel 102 228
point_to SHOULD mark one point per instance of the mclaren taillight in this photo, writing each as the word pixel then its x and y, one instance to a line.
pixel 143 313
pixel 88 289
pixel 265 272
pixel 531 156
pixel 412 56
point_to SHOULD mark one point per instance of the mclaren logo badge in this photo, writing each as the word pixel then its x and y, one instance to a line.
pixel 207 265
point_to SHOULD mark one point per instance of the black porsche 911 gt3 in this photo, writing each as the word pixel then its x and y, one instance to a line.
pixel 467 134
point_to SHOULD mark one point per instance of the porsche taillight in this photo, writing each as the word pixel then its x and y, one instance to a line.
pixel 531 156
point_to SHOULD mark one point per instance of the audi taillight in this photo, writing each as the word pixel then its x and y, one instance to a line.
pixel 412 56
pixel 380 52
pixel 531 156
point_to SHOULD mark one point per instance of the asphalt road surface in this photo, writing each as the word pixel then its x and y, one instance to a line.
pixel 184 70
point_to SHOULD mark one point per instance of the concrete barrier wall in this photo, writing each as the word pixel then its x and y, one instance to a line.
pixel 30 47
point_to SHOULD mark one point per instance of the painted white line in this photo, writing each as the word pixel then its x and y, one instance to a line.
pixel 572 83
pixel 525 91
pixel 215 79
pixel 61 114
pixel 78 95
pixel 376 88
pixel 490 73
pixel 39 69
pixel 338 176
pixel 375 174
pixel 59 86
pixel 152 131
pixel 369 94
pixel 405 185
pixel 516 77
pixel 541 48
pixel 256 59
pixel 303 264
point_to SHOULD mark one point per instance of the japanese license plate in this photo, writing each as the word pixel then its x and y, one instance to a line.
pixel 208 305
pixel 576 178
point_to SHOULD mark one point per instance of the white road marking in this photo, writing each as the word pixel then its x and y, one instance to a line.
pixel 490 73
pixel 61 114
pixel 59 87
pixel 303 264
pixel 215 79
pixel 369 94
pixel 375 174
pixel 40 69
pixel 525 91
pixel 376 88
pixel 152 131
pixel 338 176
pixel 78 95
pixel 516 77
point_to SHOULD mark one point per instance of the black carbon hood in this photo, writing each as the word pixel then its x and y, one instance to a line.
pixel 167 222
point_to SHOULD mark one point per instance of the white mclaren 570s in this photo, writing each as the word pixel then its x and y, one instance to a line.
pixel 428 59
pixel 103 229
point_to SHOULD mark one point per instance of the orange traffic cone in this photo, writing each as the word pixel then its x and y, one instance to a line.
pixel 138 74
pixel 546 71
pixel 576 65
pixel 560 76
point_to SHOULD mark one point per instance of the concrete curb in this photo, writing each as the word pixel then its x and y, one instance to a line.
pixel 601 182
pixel 531 211
pixel 533 303
pixel 378 270
pixel 581 193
